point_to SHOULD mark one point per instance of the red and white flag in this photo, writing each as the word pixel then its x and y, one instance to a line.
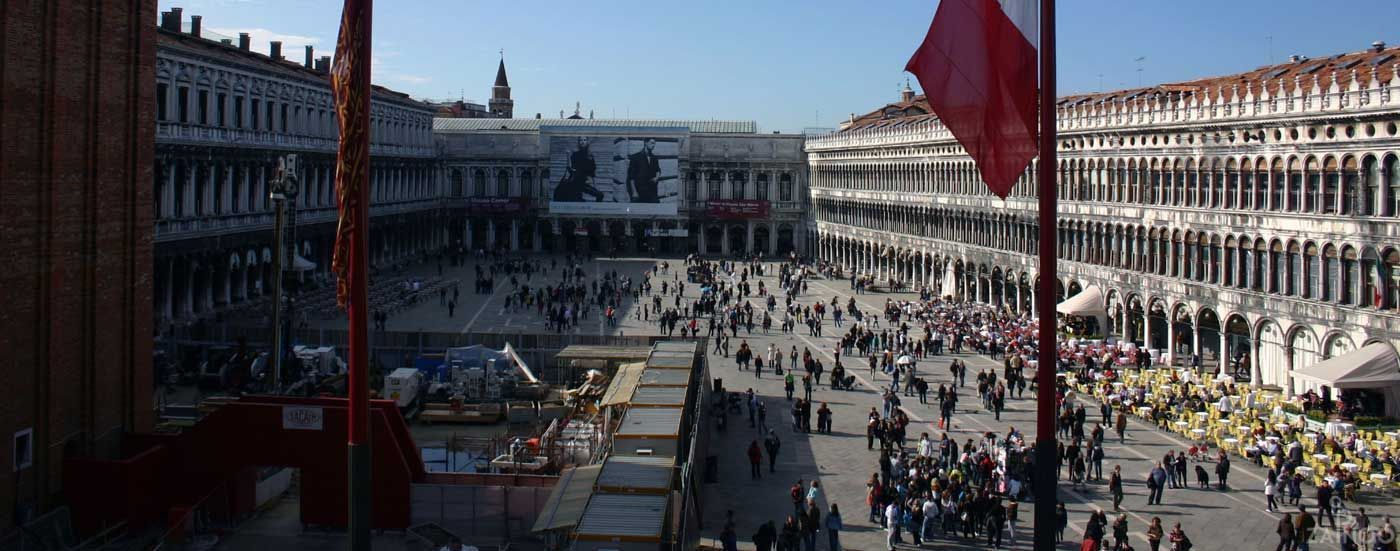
pixel 977 66
pixel 1377 287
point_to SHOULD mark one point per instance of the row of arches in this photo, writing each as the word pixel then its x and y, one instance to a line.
pixel 1253 345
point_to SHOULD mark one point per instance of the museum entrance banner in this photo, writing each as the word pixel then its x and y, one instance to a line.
pixel 626 171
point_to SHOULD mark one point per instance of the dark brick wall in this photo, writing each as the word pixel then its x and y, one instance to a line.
pixel 77 91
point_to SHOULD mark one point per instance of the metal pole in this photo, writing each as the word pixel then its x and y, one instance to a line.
pixel 278 201
pixel 1045 460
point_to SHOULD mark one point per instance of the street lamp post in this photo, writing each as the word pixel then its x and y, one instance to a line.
pixel 284 193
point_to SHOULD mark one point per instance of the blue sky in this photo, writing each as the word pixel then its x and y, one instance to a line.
pixel 786 64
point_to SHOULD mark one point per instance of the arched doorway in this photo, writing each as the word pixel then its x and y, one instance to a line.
pixel 736 240
pixel 1302 349
pixel 1157 324
pixel 1237 348
pixel 1208 325
pixel 785 240
pixel 714 240
pixel 1183 334
pixel 1271 360
pixel 760 240
pixel 1133 325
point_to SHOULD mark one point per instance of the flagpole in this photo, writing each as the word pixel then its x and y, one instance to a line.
pixel 356 21
pixel 1046 497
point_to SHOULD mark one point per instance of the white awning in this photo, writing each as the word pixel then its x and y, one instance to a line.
pixel 1088 302
pixel 301 264
pixel 1373 366
pixel 950 282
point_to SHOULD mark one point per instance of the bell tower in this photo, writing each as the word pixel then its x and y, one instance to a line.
pixel 501 105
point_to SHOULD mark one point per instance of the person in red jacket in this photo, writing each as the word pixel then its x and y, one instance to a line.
pixel 755 459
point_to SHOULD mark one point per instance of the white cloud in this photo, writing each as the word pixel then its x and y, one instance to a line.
pixel 292 44
pixel 411 79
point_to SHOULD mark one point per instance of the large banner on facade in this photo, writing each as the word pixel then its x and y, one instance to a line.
pixel 615 171
pixel 733 209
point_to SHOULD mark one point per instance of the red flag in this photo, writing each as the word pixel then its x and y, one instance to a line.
pixel 350 84
pixel 977 66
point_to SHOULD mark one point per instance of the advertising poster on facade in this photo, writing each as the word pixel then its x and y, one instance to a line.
pixel 633 172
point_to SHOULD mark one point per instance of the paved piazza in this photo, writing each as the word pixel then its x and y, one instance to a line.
pixel 1212 519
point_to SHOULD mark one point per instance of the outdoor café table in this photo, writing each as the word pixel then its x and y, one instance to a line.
pixel 1305 471
pixel 1231 442
pixel 1200 434
pixel 1331 480
pixel 1202 415
pixel 1282 427
pixel 1117 385
pixel 1393 434
pixel 1182 424
pixel 1244 428
pixel 1271 438
pixel 1353 467
pixel 1321 457
pixel 1144 411
pixel 1379 478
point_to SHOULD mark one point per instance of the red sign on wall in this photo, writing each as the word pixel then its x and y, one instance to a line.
pixel 497 204
pixel 736 208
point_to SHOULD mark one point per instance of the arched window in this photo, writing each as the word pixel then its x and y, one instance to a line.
pixel 1391 174
pixel 479 183
pixel 762 186
pixel 1331 274
pixel 503 184
pixel 1278 183
pixel 785 187
pixel 1350 181
pixel 1297 194
pixel 1331 183
pixel 527 183
pixel 1370 186
pixel 1296 270
pixel 1349 270
pixel 1312 272
pixel 1230 185
pixel 738 185
pixel 712 193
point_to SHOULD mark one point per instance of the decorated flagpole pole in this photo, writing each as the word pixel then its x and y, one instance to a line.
pixel 1045 489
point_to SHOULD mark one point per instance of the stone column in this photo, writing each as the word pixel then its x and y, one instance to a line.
pixel 167 307
pixel 491 234
pixel 467 240
pixel 703 248
pixel 724 242
pixel 537 241
pixel 190 187
pixel 748 235
pixel 229 190
pixel 168 194
pixel 773 240
pixel 188 306
pixel 514 235
pixel 1171 340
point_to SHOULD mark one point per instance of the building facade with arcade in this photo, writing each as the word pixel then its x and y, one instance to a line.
pixel 1251 218
pixel 224 116
pixel 659 187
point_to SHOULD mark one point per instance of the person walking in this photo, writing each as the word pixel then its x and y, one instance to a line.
pixel 811 524
pixel 1061 521
pixel 833 528
pixel 1222 470
pixel 1115 486
pixel 1154 534
pixel 1303 528
pixel 1156 482
pixel 1121 426
pixel 1120 533
pixel 755 460
pixel 764 538
pixel 1269 488
pixel 773 445
pixel 1285 533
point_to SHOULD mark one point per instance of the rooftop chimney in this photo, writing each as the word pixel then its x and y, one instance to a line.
pixel 1377 46
pixel 309 64
pixel 195 21
pixel 226 41
pixel 275 50
pixel 170 20
pixel 323 65
pixel 177 16
pixel 243 41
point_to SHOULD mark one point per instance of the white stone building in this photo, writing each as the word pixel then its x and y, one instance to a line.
pixel 1247 214
pixel 224 115
pixel 499 170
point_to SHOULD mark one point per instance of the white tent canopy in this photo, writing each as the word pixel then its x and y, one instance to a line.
pixel 950 282
pixel 301 264
pixel 1372 367
pixel 1088 302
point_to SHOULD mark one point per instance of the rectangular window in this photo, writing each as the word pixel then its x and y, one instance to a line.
pixel 162 90
pixel 284 118
pixel 184 98
pixel 762 190
pixel 692 189
pixel 23 450
pixel 714 189
pixel 253 114
pixel 222 110
pixel 271 108
pixel 238 111
pixel 203 107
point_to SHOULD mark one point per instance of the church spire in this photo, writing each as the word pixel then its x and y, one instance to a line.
pixel 501 105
